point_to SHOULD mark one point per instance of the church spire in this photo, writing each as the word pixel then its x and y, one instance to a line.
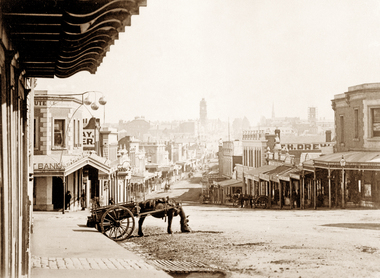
pixel 273 111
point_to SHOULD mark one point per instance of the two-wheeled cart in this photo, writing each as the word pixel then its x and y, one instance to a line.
pixel 118 221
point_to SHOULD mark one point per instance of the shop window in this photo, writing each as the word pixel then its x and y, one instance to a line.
pixel 59 133
pixel 375 117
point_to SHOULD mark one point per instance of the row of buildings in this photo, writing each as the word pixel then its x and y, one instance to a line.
pixel 309 171
pixel 45 39
pixel 76 155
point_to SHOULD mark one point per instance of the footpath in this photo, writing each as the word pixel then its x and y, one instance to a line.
pixel 63 246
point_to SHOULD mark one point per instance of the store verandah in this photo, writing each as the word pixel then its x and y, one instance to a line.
pixel 347 179
pixel 56 175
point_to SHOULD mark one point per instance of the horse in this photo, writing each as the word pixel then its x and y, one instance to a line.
pixel 160 208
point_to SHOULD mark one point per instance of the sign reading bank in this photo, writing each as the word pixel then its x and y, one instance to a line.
pixel 88 139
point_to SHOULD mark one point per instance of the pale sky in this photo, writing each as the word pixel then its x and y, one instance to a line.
pixel 242 56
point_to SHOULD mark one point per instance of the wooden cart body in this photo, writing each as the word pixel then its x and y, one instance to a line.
pixel 118 221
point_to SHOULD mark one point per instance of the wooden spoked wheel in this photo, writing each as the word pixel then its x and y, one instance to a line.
pixel 262 202
pixel 117 223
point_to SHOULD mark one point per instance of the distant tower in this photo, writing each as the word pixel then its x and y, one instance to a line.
pixel 273 116
pixel 203 112
pixel 312 115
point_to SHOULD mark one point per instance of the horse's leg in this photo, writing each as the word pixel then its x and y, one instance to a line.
pixel 184 226
pixel 170 214
pixel 141 221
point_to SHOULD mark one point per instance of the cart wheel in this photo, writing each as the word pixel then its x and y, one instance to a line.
pixel 117 223
pixel 262 202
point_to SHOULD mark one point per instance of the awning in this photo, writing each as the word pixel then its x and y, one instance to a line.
pixel 296 175
pixel 166 168
pixel 230 183
pixel 273 174
pixel 137 179
pixel 61 38
pixel 353 161
pixel 149 176
pixel 151 166
pixel 254 173
pixel 286 175
pixel 57 165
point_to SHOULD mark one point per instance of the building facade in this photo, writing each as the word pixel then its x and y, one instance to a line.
pixel 60 163
pixel 350 176
pixel 35 42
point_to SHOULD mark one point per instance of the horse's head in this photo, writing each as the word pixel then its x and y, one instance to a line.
pixel 184 219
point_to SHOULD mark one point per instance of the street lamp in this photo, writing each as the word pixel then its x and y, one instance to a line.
pixel 94 104
pixel 342 164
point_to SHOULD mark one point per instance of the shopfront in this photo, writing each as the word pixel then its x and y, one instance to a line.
pixel 55 176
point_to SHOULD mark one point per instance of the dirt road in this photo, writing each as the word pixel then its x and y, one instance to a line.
pixel 268 243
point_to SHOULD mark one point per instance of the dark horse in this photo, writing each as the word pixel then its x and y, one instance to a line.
pixel 161 208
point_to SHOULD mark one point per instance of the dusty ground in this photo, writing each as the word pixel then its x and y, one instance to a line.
pixel 268 243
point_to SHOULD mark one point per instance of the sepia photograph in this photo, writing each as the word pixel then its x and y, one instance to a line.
pixel 189 139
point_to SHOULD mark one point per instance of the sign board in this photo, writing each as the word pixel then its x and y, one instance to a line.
pixel 88 138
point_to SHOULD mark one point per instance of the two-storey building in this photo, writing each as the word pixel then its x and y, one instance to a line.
pixel 351 176
pixel 60 163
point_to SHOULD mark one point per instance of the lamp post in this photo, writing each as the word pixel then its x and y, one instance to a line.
pixel 342 164
pixel 94 104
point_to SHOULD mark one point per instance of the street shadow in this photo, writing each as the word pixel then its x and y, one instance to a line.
pixel 82 225
pixel 85 231
pixel 366 226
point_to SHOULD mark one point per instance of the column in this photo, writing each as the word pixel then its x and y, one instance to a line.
pixel 315 189
pixel 329 177
pixel 302 189
pixel 291 193
pixel 343 182
pixel 270 194
pixel 280 193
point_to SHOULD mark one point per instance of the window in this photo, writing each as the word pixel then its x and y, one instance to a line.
pixel 76 128
pixel 36 134
pixel 341 129
pixel 375 122
pixel 78 133
pixel 59 133
pixel 75 132
pixel 356 123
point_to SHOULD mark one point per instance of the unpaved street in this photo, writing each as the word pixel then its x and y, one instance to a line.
pixel 268 243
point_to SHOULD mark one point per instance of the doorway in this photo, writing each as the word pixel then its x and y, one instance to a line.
pixel 57 197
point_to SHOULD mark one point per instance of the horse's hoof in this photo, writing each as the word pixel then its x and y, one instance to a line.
pixel 140 234
pixel 170 232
